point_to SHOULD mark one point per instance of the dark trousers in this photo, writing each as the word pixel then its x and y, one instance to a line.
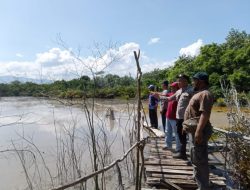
pixel 182 136
pixel 163 118
pixel 153 118
pixel 199 158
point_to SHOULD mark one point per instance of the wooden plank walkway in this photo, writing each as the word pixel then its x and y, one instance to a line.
pixel 165 172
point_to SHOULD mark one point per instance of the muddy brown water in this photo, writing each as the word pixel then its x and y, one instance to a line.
pixel 42 121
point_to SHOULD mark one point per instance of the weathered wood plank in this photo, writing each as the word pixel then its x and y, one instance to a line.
pixel 188 168
pixel 182 183
pixel 160 156
pixel 165 183
pixel 171 176
pixel 155 149
pixel 160 143
pixel 160 153
pixel 176 181
pixel 154 144
pixel 166 162
pixel 168 171
pixel 156 132
pixel 170 161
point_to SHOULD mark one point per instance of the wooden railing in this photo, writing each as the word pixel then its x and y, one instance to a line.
pixel 232 134
pixel 226 148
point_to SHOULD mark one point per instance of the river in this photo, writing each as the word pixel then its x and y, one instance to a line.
pixel 32 124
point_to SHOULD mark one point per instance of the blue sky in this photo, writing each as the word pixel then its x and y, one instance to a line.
pixel 162 29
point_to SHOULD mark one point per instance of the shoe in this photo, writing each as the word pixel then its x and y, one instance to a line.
pixel 212 185
pixel 175 151
pixel 190 178
pixel 166 148
pixel 180 155
pixel 189 163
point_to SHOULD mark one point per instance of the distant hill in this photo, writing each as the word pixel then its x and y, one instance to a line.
pixel 8 79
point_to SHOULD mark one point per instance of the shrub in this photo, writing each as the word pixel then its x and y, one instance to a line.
pixel 221 102
pixel 243 99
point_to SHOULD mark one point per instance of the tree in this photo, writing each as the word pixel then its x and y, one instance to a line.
pixel 184 65
pixel 236 39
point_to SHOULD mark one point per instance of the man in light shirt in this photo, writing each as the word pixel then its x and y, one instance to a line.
pixel 183 96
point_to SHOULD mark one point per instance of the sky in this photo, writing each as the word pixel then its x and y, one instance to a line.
pixel 65 39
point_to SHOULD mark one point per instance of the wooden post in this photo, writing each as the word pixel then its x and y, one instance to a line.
pixel 139 74
pixel 142 146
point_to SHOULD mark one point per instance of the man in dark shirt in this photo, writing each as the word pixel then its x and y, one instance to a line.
pixel 164 104
pixel 200 106
pixel 152 107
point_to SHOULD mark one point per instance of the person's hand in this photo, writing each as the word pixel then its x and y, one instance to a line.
pixel 160 111
pixel 198 137
pixel 156 94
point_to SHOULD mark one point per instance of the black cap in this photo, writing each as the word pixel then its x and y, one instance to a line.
pixel 165 82
pixel 201 76
pixel 183 76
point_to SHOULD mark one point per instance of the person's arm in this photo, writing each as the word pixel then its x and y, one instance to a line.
pixel 206 103
pixel 155 94
pixel 202 123
pixel 173 97
pixel 160 95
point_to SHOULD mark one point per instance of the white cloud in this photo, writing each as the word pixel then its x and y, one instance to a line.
pixel 153 41
pixel 127 65
pixel 19 55
pixel 57 64
pixel 54 57
pixel 193 49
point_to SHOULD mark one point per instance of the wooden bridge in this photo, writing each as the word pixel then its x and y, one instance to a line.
pixel 165 172
pixel 162 171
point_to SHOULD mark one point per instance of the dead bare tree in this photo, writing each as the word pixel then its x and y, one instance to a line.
pixel 238 138
pixel 95 70
pixel 23 161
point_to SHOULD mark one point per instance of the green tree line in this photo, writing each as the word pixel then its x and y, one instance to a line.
pixel 229 61
pixel 108 86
